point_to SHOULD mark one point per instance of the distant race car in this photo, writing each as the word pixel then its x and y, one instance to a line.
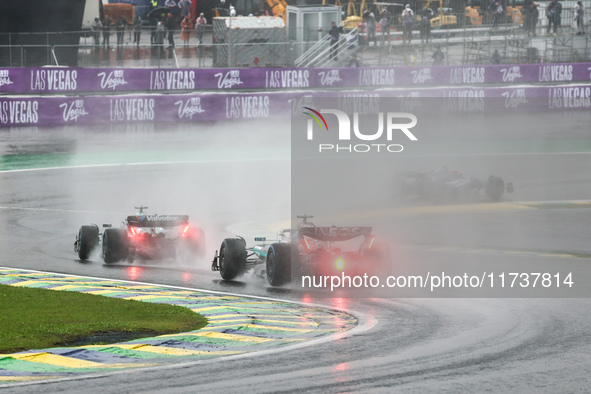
pixel 310 249
pixel 448 186
pixel 142 236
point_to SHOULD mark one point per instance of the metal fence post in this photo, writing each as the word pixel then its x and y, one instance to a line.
pixel 54 56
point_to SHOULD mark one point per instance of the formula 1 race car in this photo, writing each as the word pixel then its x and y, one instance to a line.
pixel 448 186
pixel 143 236
pixel 308 250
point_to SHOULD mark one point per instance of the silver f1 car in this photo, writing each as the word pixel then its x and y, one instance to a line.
pixel 443 185
pixel 307 250
pixel 143 236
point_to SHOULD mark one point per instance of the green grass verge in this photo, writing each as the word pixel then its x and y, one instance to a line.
pixel 39 318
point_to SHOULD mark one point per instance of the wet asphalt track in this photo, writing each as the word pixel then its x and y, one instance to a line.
pixel 415 345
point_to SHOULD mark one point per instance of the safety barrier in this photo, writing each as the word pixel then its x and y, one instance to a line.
pixel 58 80
pixel 150 108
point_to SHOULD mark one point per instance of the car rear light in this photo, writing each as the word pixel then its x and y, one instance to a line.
pixel 373 238
pixel 185 230
pixel 132 232
pixel 339 263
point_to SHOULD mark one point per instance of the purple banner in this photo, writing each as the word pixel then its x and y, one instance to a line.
pixel 99 80
pixel 16 111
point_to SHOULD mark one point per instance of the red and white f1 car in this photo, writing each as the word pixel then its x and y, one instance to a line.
pixel 143 236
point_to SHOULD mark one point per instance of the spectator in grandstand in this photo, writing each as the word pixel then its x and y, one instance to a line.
pixel 553 12
pixel 334 32
pixel 498 13
pixel 534 14
pixel 352 41
pixel 173 9
pixel 120 26
pixel 106 31
pixel 408 17
pixel 185 6
pixel 187 28
pixel 385 26
pixel 526 14
pixel 425 26
pixel 580 17
pixel 137 30
pixel 170 26
pixel 496 57
pixel 354 61
pixel 200 27
pixel 410 57
pixel 371 29
pixel 153 27
pixel 438 56
pixel 96 28
pixel 160 33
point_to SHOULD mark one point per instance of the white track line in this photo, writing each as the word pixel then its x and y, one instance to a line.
pixel 154 163
pixel 150 163
pixel 284 223
pixel 58 210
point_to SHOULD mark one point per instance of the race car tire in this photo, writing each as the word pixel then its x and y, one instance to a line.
pixel 87 241
pixel 494 188
pixel 115 245
pixel 232 258
pixel 279 264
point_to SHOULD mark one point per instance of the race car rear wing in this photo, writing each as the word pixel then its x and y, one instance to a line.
pixel 157 220
pixel 334 233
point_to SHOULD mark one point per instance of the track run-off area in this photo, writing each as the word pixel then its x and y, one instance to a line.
pixel 236 325
pixel 235 180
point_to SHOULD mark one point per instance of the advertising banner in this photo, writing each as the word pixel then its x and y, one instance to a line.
pixel 63 110
pixel 51 80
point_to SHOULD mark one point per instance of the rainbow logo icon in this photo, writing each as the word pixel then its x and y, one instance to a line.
pixel 315 117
